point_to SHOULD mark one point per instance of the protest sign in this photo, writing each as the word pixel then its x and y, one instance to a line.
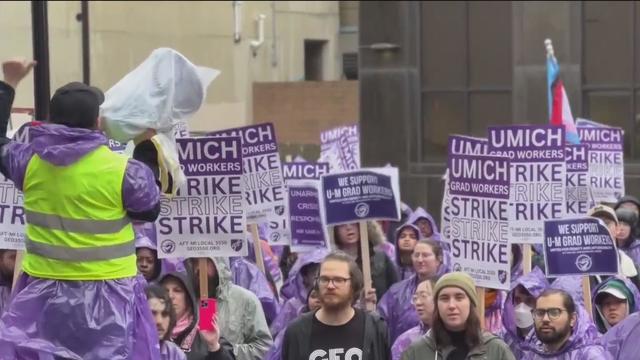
pixel 479 223
pixel 340 147
pixel 580 246
pixel 181 130
pixel 262 173
pixel 279 232
pixel 458 145
pixel 307 230
pixel 538 176
pixel 358 195
pixel 606 161
pixel 577 192
pixel 117 146
pixel 206 216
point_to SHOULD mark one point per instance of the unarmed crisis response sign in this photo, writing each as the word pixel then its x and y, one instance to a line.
pixel 538 177
pixel 206 217
pixel 366 194
pixel 581 246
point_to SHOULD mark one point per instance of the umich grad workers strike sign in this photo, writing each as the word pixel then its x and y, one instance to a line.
pixel 606 161
pixel 365 194
pixel 263 182
pixel 578 193
pixel 538 177
pixel 581 246
pixel 479 218
pixel 206 217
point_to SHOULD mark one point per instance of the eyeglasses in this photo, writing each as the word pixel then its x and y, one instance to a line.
pixel 553 313
pixel 423 297
pixel 336 281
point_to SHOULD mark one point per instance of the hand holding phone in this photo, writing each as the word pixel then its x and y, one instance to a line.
pixel 208 310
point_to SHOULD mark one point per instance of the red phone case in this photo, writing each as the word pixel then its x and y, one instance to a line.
pixel 208 309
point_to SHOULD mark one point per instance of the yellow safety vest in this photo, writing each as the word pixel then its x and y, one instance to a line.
pixel 77 227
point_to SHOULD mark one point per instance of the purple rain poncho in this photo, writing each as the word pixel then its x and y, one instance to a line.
pixel 78 319
pixel 146 238
pixel 421 213
pixel 406 339
pixel 247 275
pixel 5 292
pixel 171 351
pixel 535 282
pixel 621 341
pixel 632 289
pixel 396 309
pixel 405 272
pixel 584 342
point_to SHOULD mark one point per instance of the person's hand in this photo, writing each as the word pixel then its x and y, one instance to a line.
pixel 148 134
pixel 370 299
pixel 212 337
pixel 16 69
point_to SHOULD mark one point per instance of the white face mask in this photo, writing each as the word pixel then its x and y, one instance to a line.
pixel 524 318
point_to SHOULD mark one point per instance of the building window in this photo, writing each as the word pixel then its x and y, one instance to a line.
pixel 467 71
pixel 313 59
pixel 611 67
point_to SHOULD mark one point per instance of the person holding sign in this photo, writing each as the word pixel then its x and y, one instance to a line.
pixel 422 300
pixel 80 199
pixel 613 300
pixel 517 320
pixel 626 235
pixel 563 330
pixel 338 328
pixel 395 306
pixel 241 319
pixel 195 343
pixel 456 331
pixel 383 271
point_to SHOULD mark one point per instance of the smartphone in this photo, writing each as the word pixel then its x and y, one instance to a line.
pixel 208 310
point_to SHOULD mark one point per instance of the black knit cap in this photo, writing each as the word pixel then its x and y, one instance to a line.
pixel 76 105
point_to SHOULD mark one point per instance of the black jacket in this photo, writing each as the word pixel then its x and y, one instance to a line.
pixel 296 344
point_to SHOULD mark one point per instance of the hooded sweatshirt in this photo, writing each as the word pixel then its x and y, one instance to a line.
pixel 383 271
pixel 621 341
pixel 421 213
pixel 296 291
pixel 491 347
pixel 189 340
pixel 622 283
pixel 535 283
pixel 583 343
pixel 634 200
pixel 240 317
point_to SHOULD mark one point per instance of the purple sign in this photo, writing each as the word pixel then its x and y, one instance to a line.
pixel 340 147
pixel 479 218
pixel 263 181
pixel 538 176
pixel 366 194
pixel 577 195
pixel 117 146
pixel 581 246
pixel 458 145
pixel 304 170
pixel 606 161
pixel 206 216
pixel 307 230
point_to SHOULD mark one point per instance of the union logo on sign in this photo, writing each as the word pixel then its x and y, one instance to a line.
pixel 362 210
pixel 236 244
pixel 584 262
pixel 168 246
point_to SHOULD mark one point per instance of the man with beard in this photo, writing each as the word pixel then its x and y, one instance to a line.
pixel 561 330
pixel 7 263
pixel 337 330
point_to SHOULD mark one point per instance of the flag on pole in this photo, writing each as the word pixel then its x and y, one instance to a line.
pixel 559 108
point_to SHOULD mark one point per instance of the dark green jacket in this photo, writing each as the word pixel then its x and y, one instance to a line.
pixel 492 348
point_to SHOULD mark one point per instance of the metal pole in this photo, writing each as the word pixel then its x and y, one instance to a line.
pixel 86 46
pixel 39 26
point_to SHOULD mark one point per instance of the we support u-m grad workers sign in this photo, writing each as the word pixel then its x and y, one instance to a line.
pixel 457 145
pixel 340 147
pixel 577 192
pixel 606 160
pixel 538 176
pixel 206 217
pixel 358 195
pixel 479 223
pixel 579 246
pixel 303 189
pixel 263 181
